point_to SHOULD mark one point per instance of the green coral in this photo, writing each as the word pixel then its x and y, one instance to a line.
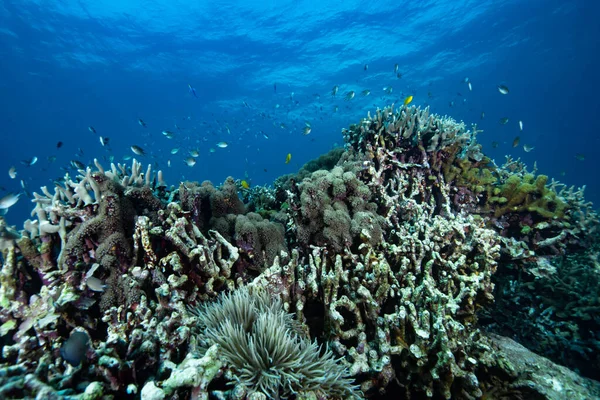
pixel 528 193
pixel 478 176
pixel 506 192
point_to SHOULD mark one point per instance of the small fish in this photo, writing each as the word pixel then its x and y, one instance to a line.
pixel 77 164
pixel 283 126
pixel 265 135
pixel 503 121
pixel 222 144
pixel 288 158
pixel 399 75
pixel 388 89
pixel 528 148
pixel 503 89
pixel 12 172
pixel 91 129
pixel 9 200
pixel 275 87
pixel 175 150
pixel 306 130
pixel 211 150
pixel 30 162
pixel 516 141
pixel 365 93
pixel 580 157
pixel 334 90
pixel 470 86
pixel 168 134
pixel 192 91
pixel 495 144
pixel 366 67
pixel 396 67
pixel 104 141
pixel 482 115
pixel 335 109
pixel 25 189
pixel 349 95
pixel 194 153
pixel 141 122
pixel 138 150
pixel 408 100
pixel 169 163
pixel 75 348
pixel 466 79
pixel 520 125
pixel 95 284
pixel 245 184
pixel 190 161
pixel 59 145
pixel 51 159
pixel 451 104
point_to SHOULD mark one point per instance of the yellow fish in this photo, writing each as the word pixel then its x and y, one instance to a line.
pixel 408 100
pixel 245 185
pixel 288 158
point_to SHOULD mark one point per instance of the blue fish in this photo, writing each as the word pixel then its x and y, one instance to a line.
pixel 192 90
pixel 75 348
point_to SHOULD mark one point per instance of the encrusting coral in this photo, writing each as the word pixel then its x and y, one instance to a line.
pixel 384 253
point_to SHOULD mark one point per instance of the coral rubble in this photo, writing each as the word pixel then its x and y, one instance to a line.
pixel 364 275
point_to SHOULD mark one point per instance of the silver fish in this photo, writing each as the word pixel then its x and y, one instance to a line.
pixel 12 172
pixel 77 164
pixel 190 161
pixel 95 284
pixel 503 89
pixel 138 150
pixel 30 162
pixel 9 200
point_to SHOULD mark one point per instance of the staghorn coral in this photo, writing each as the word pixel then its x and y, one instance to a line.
pixel 258 341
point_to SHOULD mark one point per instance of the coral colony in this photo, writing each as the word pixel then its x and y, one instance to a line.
pixel 388 268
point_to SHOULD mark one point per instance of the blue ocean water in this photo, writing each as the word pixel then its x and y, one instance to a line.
pixel 268 67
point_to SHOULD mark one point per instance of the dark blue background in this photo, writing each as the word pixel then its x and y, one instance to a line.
pixel 67 65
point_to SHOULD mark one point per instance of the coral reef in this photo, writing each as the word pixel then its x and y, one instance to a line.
pixel 364 275
pixel 552 306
